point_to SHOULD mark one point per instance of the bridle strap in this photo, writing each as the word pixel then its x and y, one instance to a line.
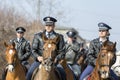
pixel 11 64
pixel 104 65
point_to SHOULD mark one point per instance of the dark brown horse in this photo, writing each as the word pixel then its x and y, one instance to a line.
pixel 15 70
pixel 47 70
pixel 68 71
pixel 82 59
pixel 104 62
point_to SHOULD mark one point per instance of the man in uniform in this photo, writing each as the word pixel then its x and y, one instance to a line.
pixel 22 46
pixel 37 44
pixel 73 49
pixel 93 50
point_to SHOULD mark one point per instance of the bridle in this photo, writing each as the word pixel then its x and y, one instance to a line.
pixel 15 55
pixel 105 54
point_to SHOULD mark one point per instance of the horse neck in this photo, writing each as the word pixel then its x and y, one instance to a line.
pixel 95 75
pixel 18 64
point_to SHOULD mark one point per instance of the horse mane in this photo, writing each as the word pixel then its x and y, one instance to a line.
pixel 54 40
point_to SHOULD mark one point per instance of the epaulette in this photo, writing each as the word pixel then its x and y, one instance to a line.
pixel 38 33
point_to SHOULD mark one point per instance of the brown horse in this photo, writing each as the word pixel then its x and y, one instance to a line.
pixel 47 70
pixel 68 71
pixel 15 70
pixel 104 62
pixel 81 60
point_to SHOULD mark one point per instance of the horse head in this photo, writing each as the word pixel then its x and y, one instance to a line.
pixel 106 59
pixel 50 48
pixel 11 55
pixel 49 52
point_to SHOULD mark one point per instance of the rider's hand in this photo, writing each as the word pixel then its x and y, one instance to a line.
pixel 56 60
pixel 40 58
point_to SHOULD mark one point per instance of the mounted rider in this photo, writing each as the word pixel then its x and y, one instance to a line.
pixel 73 50
pixel 38 42
pixel 22 46
pixel 95 46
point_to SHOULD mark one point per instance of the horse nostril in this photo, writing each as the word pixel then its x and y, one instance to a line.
pixel 104 72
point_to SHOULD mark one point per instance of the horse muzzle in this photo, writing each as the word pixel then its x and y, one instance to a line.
pixel 10 68
pixel 104 72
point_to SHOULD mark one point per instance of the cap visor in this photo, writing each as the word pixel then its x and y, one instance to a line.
pixel 49 23
pixel 103 29
pixel 20 31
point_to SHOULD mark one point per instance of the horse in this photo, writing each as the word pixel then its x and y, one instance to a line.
pixel 82 60
pixel 68 71
pixel 47 69
pixel 15 70
pixel 116 66
pixel 104 62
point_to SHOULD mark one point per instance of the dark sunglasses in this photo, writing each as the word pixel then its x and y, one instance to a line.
pixel 49 25
pixel 102 30
pixel 20 32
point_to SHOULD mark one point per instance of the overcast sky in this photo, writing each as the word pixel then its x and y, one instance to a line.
pixel 83 15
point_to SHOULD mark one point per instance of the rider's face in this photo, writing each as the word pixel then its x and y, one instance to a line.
pixel 103 33
pixel 49 28
pixel 20 34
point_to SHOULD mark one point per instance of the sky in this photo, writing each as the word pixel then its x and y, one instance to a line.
pixel 83 15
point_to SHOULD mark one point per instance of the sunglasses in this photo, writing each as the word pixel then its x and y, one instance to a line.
pixel 20 32
pixel 102 30
pixel 49 25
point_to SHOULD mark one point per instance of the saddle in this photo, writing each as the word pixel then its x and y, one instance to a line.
pixel 35 72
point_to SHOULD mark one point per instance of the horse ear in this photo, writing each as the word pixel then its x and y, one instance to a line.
pixel 56 39
pixel 6 45
pixel 105 43
pixel 114 45
pixel 13 44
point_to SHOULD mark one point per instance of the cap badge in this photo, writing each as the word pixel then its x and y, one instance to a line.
pixel 48 19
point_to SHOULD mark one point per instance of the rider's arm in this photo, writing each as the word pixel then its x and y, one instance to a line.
pixel 91 54
pixel 36 52
pixel 27 51
pixel 61 50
